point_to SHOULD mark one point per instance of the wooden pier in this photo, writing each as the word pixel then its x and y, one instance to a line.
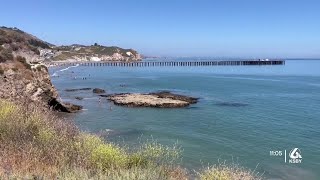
pixel 173 63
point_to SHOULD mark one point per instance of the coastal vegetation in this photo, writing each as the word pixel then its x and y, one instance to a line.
pixel 36 144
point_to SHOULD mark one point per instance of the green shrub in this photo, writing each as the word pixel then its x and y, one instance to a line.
pixel 2 32
pixel 34 49
pixel 39 67
pixel 4 40
pixel 14 47
pixel 2 59
pixel 38 43
pixel 24 62
pixel 21 59
pixel 1 71
pixel 3 37
pixel 6 55
pixel 16 37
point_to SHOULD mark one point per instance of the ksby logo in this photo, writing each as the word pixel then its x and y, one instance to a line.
pixel 295 156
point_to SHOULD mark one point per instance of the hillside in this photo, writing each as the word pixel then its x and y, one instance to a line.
pixel 15 42
pixel 95 53
pixel 19 43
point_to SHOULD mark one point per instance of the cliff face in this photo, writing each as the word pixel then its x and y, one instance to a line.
pixel 21 79
pixel 20 82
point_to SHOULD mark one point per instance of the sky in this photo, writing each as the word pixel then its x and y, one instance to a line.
pixel 224 28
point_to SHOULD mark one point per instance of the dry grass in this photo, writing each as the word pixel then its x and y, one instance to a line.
pixel 228 172
pixel 38 144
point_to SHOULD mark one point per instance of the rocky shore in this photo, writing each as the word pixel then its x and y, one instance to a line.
pixel 162 99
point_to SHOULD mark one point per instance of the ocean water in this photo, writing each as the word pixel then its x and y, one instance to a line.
pixel 243 113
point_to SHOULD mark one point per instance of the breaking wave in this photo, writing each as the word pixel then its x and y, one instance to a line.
pixel 65 69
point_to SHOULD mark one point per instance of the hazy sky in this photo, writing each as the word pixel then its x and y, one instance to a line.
pixel 225 28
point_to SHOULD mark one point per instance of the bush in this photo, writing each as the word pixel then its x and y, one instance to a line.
pixel 2 32
pixel 38 43
pixel 3 38
pixel 24 62
pixel 2 59
pixel 1 71
pixel 14 47
pixel 34 49
pixel 39 67
pixel 21 59
pixel 6 55
pixel 228 172
pixel 36 143
pixel 16 37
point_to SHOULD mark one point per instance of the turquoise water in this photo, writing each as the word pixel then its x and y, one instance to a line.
pixel 244 112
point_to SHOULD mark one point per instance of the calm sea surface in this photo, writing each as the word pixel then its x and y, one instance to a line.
pixel 244 112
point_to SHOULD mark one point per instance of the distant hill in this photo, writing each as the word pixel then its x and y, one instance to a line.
pixel 15 42
pixel 96 53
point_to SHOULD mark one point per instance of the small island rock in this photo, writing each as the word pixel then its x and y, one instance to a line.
pixel 79 89
pixel 79 98
pixel 158 100
pixel 98 91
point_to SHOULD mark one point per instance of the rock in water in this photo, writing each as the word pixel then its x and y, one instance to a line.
pixel 64 107
pixel 168 94
pixel 80 89
pixel 79 98
pixel 98 91
pixel 162 100
pixel 231 104
pixel 72 108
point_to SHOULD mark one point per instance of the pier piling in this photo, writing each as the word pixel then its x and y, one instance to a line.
pixel 176 63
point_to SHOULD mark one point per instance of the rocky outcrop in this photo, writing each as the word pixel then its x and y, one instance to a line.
pixel 21 81
pixel 168 94
pixel 98 91
pixel 79 98
pixel 55 105
pixel 158 100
